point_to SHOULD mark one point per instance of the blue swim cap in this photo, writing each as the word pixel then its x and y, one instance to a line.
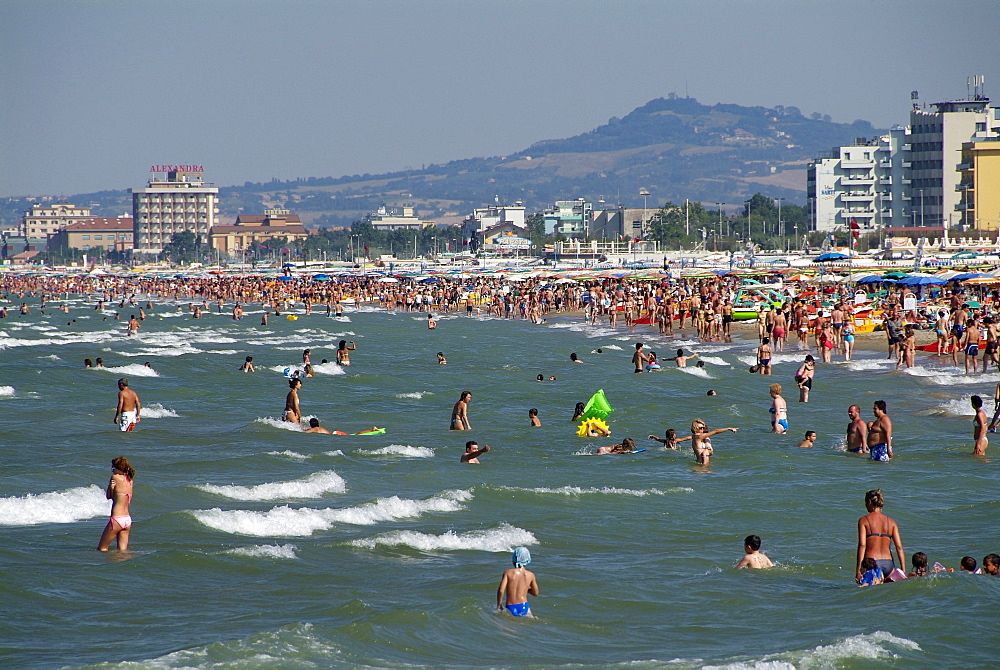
pixel 521 557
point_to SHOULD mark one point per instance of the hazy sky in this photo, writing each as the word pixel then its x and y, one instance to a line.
pixel 92 93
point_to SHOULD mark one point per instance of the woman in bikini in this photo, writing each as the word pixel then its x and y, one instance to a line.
pixel 875 530
pixel 343 357
pixel 701 441
pixel 460 413
pixel 119 491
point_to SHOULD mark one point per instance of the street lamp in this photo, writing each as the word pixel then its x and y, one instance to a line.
pixel 645 194
pixel 780 233
pixel 720 204
pixel 748 203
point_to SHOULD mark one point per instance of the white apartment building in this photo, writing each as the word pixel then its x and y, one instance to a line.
pixel 485 218
pixel 181 202
pixel 936 139
pixel 864 182
pixel 44 221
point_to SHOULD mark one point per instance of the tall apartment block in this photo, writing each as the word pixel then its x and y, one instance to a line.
pixel 181 202
pixel 936 139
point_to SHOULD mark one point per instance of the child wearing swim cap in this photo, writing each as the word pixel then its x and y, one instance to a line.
pixel 516 583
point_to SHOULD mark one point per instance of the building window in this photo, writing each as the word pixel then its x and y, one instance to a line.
pixel 86 237
pixel 97 237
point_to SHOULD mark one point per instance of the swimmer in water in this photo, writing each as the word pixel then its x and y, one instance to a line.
pixel 517 584
pixel 809 440
pixel 778 410
pixel 441 359
pixel 119 492
pixel 128 408
pixel 248 365
pixel 979 428
pixel 701 442
pixel 460 412
pixel 292 413
pixel 670 439
pixel 343 357
pixel 314 427
pixel 533 419
pixel 754 557
pixel 626 446
pixel 473 452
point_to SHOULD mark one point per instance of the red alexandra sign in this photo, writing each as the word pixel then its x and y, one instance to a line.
pixel 177 168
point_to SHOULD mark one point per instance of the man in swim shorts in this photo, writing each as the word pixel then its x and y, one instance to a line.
pixel 880 433
pixel 516 583
pixel 127 411
pixel 857 431
pixel 473 452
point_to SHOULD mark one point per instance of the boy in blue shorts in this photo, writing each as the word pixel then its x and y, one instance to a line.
pixel 516 584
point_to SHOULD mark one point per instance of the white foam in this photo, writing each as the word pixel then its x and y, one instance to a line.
pixel 158 411
pixel 288 453
pixel 715 360
pixel 69 506
pixel 848 651
pixel 612 347
pixel 696 372
pixel 278 423
pixel 328 369
pixel 335 452
pixel 775 358
pixel 956 407
pixel 868 364
pixel 942 378
pixel 417 395
pixel 133 370
pixel 51 357
pixel 151 352
pixel 280 551
pixel 226 352
pixel 611 490
pixel 401 450
pixel 502 538
pixel 314 486
pixel 286 521
pixel 7 391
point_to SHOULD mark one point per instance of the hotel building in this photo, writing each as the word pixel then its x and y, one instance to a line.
pixel 179 203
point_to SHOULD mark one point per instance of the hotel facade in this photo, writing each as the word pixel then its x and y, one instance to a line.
pixel 177 203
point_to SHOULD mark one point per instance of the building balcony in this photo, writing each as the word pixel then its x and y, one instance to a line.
pixel 965 187
pixel 856 197
pixel 863 213
pixel 885 164
pixel 905 181
pixel 885 181
pixel 962 167
pixel 857 181
pixel 906 165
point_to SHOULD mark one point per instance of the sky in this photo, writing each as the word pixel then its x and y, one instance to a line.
pixel 95 92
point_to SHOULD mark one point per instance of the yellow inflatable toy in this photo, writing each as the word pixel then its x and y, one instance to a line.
pixel 292 317
pixel 593 428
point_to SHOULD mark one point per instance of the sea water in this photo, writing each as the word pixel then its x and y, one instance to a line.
pixel 257 545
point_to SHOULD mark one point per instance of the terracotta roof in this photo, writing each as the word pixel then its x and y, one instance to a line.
pixel 100 224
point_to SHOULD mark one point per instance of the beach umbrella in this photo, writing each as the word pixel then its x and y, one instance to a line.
pixel 284 278
pixel 874 279
pixel 388 280
pixel 964 276
pixel 896 274
pixel 321 277
pixel 830 256
pixel 922 281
